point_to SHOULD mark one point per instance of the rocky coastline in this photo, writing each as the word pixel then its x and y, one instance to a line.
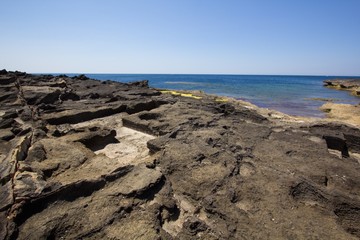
pixel 349 113
pixel 88 159
pixel 352 85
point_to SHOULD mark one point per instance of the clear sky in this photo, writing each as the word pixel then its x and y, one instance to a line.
pixel 320 37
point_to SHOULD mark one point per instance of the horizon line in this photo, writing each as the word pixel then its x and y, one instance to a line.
pixel 230 74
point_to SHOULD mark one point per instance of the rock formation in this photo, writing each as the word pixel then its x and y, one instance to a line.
pixel 348 113
pixel 85 159
pixel 352 85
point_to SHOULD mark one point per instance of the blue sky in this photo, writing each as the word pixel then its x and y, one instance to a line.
pixel 310 37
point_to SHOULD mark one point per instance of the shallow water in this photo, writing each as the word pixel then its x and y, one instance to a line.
pixel 288 94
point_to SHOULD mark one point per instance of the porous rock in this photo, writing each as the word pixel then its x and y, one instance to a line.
pixel 85 159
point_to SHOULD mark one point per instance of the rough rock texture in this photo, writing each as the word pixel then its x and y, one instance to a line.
pixel 344 112
pixel 84 159
pixel 352 85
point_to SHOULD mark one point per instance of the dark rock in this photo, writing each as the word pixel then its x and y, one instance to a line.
pixel 345 134
pixel 62 130
pixel 352 141
pixel 175 132
pixel 112 99
pixel 84 115
pixel 349 217
pixel 6 170
pixel 60 84
pixel 6 134
pixel 46 107
pixel 28 184
pixel 38 134
pixel 149 116
pixel 7 123
pixel 225 108
pixel 151 165
pixel 142 84
pixel 50 98
pixel 156 144
pixel 7 80
pixel 4 97
pixel 69 96
pixel 194 225
pixel 199 157
pixel 136 107
pixel 20 74
pixel 10 114
pixel 63 76
pixel 24 131
pixel 137 124
pixel 26 114
pixel 16 130
pixel 94 96
pixel 343 83
pixel 337 142
pixel 147 93
pixel 215 170
pixel 305 191
pixel 4 221
pixel 81 77
pixel 352 85
pixel 98 140
pixel 6 196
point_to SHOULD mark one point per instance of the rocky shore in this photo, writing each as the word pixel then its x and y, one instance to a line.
pixel 352 85
pixel 88 159
pixel 348 113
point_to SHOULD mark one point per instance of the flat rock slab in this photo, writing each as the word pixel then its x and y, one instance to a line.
pixel 131 148
pixel 136 182
pixel 99 210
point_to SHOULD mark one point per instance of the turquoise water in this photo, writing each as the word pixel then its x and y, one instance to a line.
pixel 288 94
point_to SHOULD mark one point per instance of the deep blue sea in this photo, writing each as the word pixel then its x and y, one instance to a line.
pixel 288 94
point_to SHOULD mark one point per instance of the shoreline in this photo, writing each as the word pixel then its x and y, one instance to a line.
pixel 294 101
pixel 333 112
pixel 350 113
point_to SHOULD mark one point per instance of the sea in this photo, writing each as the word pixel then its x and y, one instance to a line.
pixel 294 95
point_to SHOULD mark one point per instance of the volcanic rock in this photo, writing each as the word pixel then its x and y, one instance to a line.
pixel 85 159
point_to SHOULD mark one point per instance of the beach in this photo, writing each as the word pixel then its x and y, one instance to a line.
pixel 89 159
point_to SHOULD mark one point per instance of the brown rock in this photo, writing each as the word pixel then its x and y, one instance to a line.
pixel 206 169
pixel 6 196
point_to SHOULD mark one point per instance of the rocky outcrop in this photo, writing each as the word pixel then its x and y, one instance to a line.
pixel 85 159
pixel 344 112
pixel 352 85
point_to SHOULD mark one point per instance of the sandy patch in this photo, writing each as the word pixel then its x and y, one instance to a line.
pixel 342 112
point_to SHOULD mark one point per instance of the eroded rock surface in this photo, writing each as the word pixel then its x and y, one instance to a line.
pixel 352 85
pixel 85 159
